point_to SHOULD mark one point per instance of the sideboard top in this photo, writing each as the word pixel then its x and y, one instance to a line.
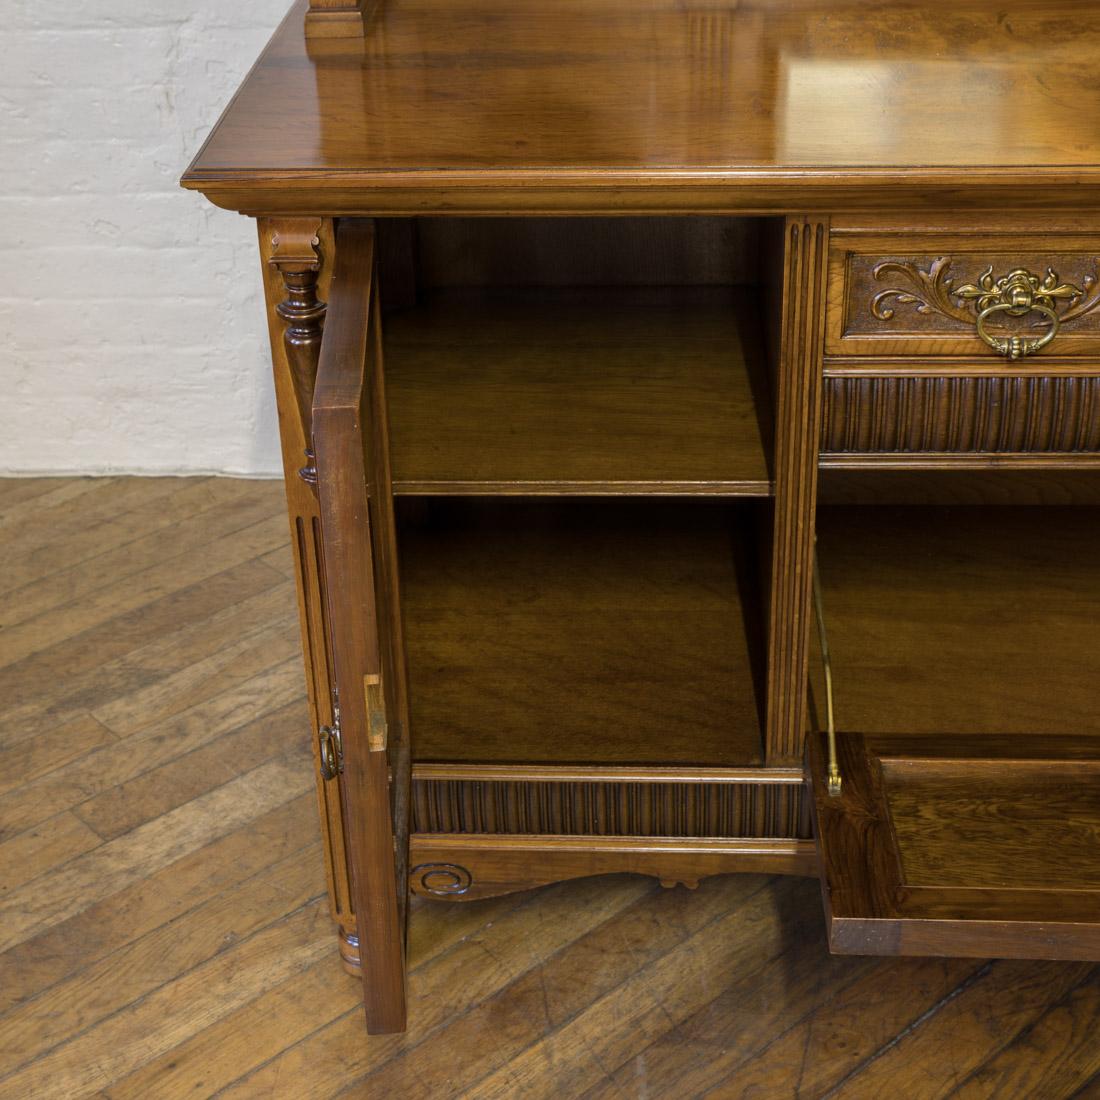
pixel 598 105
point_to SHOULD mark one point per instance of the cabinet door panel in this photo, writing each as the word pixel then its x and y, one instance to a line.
pixel 357 534
pixel 976 846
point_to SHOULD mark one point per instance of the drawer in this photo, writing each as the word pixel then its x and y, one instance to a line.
pixel 985 296
pixel 960 811
pixel 942 846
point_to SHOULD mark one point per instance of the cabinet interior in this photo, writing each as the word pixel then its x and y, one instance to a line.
pixel 962 619
pixel 581 425
pixel 580 430
pixel 576 355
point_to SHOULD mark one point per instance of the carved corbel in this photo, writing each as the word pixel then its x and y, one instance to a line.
pixel 295 253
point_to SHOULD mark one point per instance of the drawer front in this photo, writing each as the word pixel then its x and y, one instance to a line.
pixel 1027 415
pixel 950 295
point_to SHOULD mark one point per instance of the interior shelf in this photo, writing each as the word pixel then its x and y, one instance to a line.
pixel 585 391
pixel 963 620
pixel 582 631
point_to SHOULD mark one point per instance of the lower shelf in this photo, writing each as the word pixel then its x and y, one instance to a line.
pixel 582 632
pixel 963 620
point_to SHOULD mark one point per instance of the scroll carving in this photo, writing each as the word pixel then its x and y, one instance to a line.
pixel 295 253
pixel 933 291
pixel 444 880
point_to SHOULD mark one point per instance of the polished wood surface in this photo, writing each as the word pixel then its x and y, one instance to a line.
pixel 962 620
pixel 896 294
pixel 798 311
pixel 745 803
pixel 582 632
pixel 536 642
pixel 584 390
pixel 507 105
pixel 943 846
pixel 303 512
pixel 180 944
pixel 349 434
pixel 959 419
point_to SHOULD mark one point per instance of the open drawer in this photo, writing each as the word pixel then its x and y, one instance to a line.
pixel 965 641
pixel 977 847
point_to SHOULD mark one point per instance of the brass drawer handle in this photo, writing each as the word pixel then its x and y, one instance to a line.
pixel 1015 295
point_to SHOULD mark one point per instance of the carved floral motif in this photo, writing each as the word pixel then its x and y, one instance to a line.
pixel 933 291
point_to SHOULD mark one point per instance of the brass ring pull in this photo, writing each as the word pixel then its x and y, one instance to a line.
pixel 1017 294
pixel 1017 347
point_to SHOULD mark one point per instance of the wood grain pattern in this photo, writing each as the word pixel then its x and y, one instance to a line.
pixel 691 808
pixel 346 434
pixel 213 972
pixel 955 865
pixel 581 632
pixel 470 866
pixel 959 414
pixel 338 18
pixel 621 251
pixel 965 620
pixel 513 107
pixel 798 432
pixel 583 391
pixel 897 294
pixel 304 516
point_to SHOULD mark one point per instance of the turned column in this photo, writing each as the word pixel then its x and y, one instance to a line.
pixel 297 258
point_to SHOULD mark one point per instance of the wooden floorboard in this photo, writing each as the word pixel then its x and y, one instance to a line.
pixel 163 927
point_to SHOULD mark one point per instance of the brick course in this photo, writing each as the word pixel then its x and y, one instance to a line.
pixel 132 335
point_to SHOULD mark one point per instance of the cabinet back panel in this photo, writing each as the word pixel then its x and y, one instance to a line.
pixel 700 251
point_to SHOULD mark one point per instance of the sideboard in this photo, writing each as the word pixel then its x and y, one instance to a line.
pixel 691 424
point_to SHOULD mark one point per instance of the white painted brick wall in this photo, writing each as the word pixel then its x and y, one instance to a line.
pixel 132 333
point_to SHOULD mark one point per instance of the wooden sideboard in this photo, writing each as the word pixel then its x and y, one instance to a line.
pixel 612 341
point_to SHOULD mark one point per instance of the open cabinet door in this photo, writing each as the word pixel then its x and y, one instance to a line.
pixel 979 846
pixel 358 547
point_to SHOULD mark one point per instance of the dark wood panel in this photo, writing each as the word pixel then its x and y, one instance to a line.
pixel 579 391
pixel 953 865
pixel 622 808
pixel 996 484
pixel 581 631
pixel 964 823
pixel 955 414
pixel 598 252
pixel 963 620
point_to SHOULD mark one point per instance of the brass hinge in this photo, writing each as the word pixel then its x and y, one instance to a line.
pixel 332 747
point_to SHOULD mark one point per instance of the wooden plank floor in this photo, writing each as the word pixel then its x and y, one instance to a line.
pixel 163 930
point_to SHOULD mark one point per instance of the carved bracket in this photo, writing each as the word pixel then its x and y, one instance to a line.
pixel 295 252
